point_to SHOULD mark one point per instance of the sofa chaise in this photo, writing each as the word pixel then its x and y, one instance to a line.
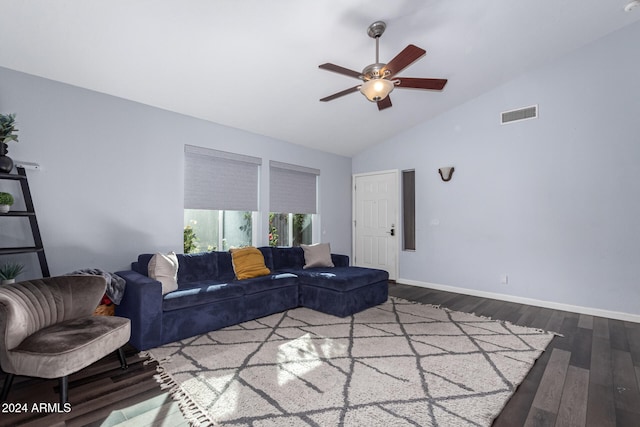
pixel 209 296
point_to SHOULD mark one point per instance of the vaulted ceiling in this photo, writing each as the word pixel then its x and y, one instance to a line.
pixel 253 64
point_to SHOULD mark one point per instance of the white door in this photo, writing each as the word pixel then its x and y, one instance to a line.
pixel 375 221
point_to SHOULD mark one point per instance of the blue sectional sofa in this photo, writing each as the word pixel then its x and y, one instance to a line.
pixel 209 297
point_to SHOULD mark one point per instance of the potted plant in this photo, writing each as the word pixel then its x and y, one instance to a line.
pixel 8 132
pixel 9 271
pixel 6 200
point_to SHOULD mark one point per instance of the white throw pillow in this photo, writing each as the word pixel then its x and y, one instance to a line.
pixel 318 255
pixel 164 268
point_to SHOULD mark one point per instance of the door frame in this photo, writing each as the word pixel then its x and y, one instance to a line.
pixel 399 225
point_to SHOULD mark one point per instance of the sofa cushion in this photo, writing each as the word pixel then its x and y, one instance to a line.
pixel 164 268
pixel 197 267
pixel 200 293
pixel 267 253
pixel 265 283
pixel 340 279
pixel 285 258
pixel 248 263
pixel 225 267
pixel 318 255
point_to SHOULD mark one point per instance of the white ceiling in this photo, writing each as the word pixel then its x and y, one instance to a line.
pixel 253 64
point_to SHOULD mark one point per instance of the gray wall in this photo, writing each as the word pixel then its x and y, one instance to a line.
pixel 553 203
pixel 111 184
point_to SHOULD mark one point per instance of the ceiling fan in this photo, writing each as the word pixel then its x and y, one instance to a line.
pixel 379 78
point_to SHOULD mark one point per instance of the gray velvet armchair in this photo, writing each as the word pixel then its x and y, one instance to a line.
pixel 47 329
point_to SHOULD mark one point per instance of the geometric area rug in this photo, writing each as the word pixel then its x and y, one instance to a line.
pixel 397 364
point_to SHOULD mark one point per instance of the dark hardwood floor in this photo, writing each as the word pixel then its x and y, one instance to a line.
pixel 590 376
pixel 100 395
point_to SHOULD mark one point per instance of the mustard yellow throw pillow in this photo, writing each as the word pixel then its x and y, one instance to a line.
pixel 248 262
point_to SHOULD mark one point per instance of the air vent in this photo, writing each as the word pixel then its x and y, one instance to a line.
pixel 520 114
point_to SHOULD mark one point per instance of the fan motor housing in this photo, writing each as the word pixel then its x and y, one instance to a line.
pixel 373 71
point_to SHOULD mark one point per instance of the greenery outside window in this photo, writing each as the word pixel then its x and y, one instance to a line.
pixel 215 230
pixel 289 229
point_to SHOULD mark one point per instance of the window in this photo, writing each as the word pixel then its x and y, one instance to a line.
pixel 293 202
pixel 288 229
pixel 409 210
pixel 213 230
pixel 216 218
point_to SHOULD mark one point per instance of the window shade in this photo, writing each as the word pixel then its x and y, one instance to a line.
pixel 219 180
pixel 292 188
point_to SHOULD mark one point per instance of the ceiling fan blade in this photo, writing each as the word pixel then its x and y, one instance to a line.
pixel 340 70
pixel 402 60
pixel 431 84
pixel 341 93
pixel 384 103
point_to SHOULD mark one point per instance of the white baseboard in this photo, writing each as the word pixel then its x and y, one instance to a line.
pixel 528 301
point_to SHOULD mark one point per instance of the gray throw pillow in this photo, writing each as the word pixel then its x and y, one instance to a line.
pixel 318 255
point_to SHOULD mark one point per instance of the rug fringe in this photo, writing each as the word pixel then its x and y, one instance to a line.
pixel 193 413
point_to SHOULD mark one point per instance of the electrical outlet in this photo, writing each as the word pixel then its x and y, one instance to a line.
pixel 504 279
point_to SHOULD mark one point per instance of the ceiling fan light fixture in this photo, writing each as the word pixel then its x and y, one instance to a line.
pixel 377 89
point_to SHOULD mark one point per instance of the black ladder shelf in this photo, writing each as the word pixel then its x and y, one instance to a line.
pixel 33 221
